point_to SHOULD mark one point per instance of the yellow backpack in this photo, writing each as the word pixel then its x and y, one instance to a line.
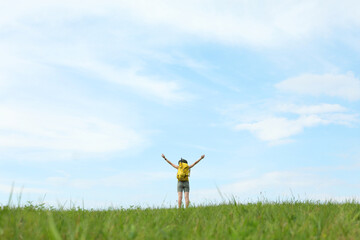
pixel 183 172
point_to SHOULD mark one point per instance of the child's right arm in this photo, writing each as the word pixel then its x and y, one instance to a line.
pixel 169 162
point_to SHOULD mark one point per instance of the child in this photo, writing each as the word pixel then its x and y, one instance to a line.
pixel 183 182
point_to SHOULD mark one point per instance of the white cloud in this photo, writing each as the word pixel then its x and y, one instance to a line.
pixel 47 62
pixel 311 109
pixel 271 124
pixel 128 179
pixel 276 128
pixel 163 90
pixel 245 22
pixel 274 179
pixel 29 128
pixel 336 85
pixel 7 189
pixel 274 186
pixel 44 64
pixel 236 22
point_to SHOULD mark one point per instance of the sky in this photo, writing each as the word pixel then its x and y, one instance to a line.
pixel 91 95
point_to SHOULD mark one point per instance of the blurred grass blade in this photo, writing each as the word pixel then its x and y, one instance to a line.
pixel 11 193
pixel 53 230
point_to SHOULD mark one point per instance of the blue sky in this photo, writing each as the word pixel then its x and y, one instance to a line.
pixel 92 95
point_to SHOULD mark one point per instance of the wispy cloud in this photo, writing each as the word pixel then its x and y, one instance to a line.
pixel 311 109
pixel 231 22
pixel 249 23
pixel 277 128
pixel 8 189
pixel 275 186
pixel 124 180
pixel 345 86
pixel 25 128
pixel 275 122
pixel 149 86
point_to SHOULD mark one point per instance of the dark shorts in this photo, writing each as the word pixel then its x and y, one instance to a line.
pixel 183 186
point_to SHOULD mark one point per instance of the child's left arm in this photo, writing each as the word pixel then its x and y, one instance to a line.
pixel 202 156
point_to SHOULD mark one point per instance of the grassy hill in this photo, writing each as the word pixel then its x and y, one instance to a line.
pixel 286 220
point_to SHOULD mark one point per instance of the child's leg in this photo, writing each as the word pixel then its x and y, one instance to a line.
pixel 187 201
pixel 180 198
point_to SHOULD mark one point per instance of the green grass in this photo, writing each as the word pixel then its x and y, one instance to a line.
pixel 284 220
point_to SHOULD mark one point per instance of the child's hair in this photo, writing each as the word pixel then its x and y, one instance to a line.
pixel 182 160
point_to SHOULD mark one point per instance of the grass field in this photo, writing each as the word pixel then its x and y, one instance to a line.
pixel 285 220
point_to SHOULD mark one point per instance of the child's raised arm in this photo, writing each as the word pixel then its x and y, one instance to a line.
pixel 169 162
pixel 202 156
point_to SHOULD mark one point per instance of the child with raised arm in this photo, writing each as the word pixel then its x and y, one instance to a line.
pixel 183 178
